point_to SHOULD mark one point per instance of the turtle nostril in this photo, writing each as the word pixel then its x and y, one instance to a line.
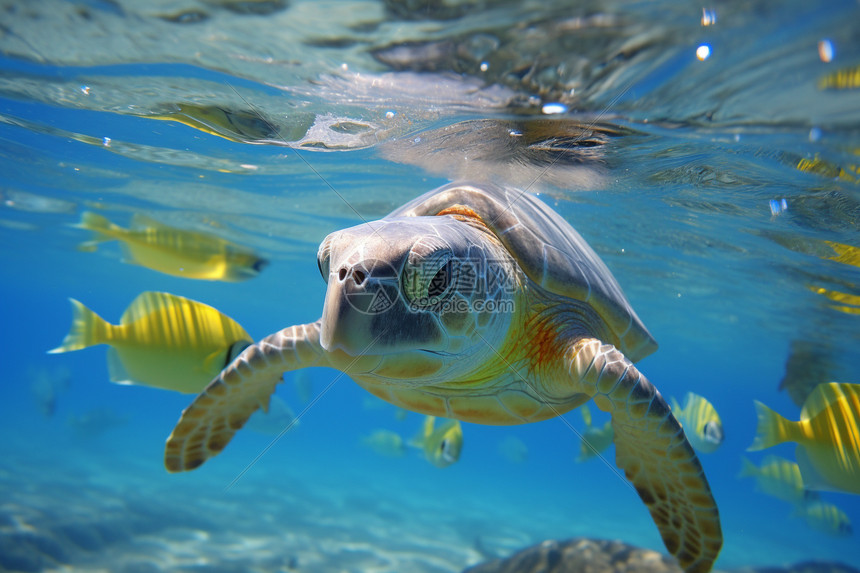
pixel 341 274
pixel 358 276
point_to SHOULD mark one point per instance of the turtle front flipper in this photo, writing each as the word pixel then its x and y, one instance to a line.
pixel 651 448
pixel 245 385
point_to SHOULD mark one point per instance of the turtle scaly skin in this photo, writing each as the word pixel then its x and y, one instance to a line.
pixel 478 303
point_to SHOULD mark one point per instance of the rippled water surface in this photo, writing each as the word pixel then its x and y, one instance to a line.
pixel 709 153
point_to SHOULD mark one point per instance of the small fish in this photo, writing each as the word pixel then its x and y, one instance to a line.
pixel 514 450
pixel 46 385
pixel 278 419
pixel 825 517
pixel 828 169
pixel 385 443
pixel 176 252
pixel 95 422
pixel 242 126
pixel 162 340
pixel 442 445
pixel 594 440
pixel 850 303
pixel 701 423
pixel 844 79
pixel 779 478
pixel 827 434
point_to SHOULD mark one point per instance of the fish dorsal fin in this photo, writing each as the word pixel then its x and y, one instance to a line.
pixel 773 459
pixel 421 437
pixel 820 399
pixel 140 221
pixel 150 301
pixel 429 423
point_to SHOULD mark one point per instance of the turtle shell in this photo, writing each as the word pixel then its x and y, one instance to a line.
pixel 548 249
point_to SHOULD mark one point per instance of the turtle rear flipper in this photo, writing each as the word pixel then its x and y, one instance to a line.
pixel 651 448
pixel 244 386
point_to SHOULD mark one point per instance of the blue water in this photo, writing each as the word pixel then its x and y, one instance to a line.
pixel 679 211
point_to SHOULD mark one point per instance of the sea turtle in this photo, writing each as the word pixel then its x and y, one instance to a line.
pixel 479 303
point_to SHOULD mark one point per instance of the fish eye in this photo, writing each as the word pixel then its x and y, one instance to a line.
pixel 714 431
pixel 443 446
pixel 260 264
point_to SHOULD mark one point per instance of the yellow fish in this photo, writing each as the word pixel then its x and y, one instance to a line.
pixel 594 439
pixel 701 423
pixel 825 517
pixel 827 435
pixel 235 125
pixel 442 445
pixel 778 477
pixel 845 254
pixel 843 79
pixel 829 169
pixel 176 252
pixel 162 340
pixel 513 449
pixel 851 302
pixel 385 443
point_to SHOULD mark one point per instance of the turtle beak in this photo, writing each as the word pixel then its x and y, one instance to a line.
pixel 356 296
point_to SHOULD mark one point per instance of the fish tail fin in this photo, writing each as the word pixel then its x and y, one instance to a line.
pixel 748 469
pixel 772 428
pixel 87 329
pixel 103 230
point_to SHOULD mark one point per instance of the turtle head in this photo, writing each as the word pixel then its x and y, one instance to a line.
pixel 421 293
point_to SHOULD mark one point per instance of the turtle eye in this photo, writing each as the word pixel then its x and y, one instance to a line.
pixel 440 282
pixel 428 281
pixel 323 257
pixel 323 269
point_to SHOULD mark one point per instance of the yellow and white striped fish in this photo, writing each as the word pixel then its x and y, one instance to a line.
pixel 172 251
pixel 844 79
pixel 827 434
pixel 441 444
pixel 701 423
pixel 825 517
pixel 162 340
pixel 385 443
pixel 778 477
